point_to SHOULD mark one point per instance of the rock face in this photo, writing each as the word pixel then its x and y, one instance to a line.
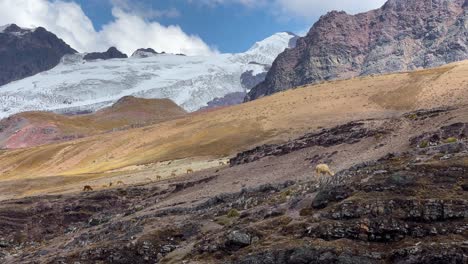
pixel 249 80
pixel 227 100
pixel 111 53
pixel 144 53
pixel 344 134
pixel 25 52
pixel 403 35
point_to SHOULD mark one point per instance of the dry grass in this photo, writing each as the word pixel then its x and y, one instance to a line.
pixel 226 131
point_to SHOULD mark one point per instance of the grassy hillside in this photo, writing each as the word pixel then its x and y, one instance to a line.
pixel 36 128
pixel 226 131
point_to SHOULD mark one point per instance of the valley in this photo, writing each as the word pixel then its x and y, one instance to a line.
pixel 399 196
pixel 346 145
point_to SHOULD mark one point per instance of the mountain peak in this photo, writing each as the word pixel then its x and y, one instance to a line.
pixel 403 35
pixel 27 51
pixel 111 53
pixel 144 53
pixel 15 29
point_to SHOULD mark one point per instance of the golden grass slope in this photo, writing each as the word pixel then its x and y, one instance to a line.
pixel 129 111
pixel 226 131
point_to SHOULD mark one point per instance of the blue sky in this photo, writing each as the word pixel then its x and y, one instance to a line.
pixel 231 27
pixel 192 27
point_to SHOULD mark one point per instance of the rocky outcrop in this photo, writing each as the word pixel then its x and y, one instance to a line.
pixel 227 100
pixel 111 53
pixel 249 80
pixel 344 134
pixel 403 35
pixel 144 53
pixel 25 52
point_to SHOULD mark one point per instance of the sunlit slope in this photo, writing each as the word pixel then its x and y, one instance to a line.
pixel 226 131
pixel 36 128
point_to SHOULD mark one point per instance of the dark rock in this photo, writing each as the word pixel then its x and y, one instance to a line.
pixel 111 53
pixel 238 239
pixel 332 194
pixel 4 244
pixel 227 100
pixel 25 52
pixel 249 81
pixel 345 134
pixel 144 53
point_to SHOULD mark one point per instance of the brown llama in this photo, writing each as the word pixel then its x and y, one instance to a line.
pixel 87 188
pixel 189 171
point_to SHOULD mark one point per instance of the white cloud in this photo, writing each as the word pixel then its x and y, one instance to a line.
pixel 143 10
pixel 304 9
pixel 311 8
pixel 128 31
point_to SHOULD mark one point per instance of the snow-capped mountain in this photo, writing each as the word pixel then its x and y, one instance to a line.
pixel 191 82
pixel 28 51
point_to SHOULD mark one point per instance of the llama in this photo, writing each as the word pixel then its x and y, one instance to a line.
pixel 87 188
pixel 189 171
pixel 324 173
pixel 158 177
pixel 120 183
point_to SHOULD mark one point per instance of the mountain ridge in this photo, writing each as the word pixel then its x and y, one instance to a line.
pixel 77 85
pixel 25 52
pixel 400 36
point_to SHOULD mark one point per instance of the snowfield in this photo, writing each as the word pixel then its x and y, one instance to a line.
pixel 191 82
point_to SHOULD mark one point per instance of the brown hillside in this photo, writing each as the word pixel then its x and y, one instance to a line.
pixel 37 128
pixel 226 131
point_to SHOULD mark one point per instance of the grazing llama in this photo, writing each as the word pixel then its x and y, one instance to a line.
pixel 87 188
pixel 324 173
pixel 189 171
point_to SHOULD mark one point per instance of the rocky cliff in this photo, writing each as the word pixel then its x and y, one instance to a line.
pixel 403 35
pixel 25 52
pixel 111 53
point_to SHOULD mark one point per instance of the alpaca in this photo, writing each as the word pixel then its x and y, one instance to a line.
pixel 189 171
pixel 323 169
pixel 158 177
pixel 324 173
pixel 120 183
pixel 87 188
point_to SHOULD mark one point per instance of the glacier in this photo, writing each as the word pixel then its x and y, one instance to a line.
pixel 76 85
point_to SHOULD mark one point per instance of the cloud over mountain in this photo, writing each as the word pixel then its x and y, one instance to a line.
pixel 128 30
